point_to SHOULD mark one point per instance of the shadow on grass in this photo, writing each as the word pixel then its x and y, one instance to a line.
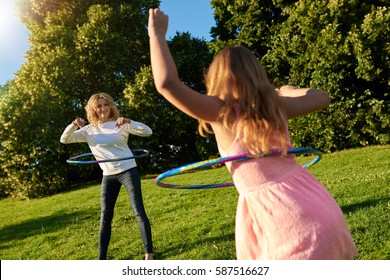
pixel 38 226
pixel 172 252
pixel 364 204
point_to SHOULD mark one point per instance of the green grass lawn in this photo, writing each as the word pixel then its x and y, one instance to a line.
pixel 191 224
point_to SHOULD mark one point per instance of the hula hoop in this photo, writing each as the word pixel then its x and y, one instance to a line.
pixel 72 160
pixel 222 160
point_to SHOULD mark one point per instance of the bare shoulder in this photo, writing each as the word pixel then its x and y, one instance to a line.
pixel 225 137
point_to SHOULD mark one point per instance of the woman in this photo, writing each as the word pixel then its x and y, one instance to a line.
pixel 107 136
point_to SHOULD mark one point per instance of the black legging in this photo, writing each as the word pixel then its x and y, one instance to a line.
pixel 109 193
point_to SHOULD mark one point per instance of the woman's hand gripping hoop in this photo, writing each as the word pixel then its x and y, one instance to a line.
pixel 218 161
pixel 72 160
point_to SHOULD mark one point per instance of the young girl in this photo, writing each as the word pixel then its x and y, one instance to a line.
pixel 107 136
pixel 283 212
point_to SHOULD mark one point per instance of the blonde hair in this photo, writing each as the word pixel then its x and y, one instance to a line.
pixel 252 109
pixel 91 106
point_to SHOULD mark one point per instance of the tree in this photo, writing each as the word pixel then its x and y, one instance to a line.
pixel 339 46
pixel 4 189
pixel 77 48
pixel 249 23
pixel 318 46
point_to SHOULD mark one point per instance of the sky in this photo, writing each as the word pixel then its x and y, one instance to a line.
pixel 193 16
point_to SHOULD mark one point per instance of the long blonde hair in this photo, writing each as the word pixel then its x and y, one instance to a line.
pixel 253 109
pixel 91 106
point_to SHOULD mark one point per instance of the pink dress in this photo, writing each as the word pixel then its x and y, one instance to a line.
pixel 284 212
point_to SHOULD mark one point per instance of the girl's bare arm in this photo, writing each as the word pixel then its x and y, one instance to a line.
pixel 301 101
pixel 166 78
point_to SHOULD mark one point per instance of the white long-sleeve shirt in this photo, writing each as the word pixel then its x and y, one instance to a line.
pixel 107 141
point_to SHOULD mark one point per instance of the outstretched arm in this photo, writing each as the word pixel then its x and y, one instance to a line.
pixel 301 101
pixel 166 78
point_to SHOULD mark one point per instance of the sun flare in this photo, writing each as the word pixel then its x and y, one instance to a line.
pixel 8 19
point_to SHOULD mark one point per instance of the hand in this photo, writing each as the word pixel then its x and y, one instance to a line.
pixel 287 88
pixel 121 121
pixel 158 22
pixel 79 122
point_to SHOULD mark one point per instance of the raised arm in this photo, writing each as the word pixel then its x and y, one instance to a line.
pixel 72 135
pixel 301 101
pixel 166 78
pixel 140 129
